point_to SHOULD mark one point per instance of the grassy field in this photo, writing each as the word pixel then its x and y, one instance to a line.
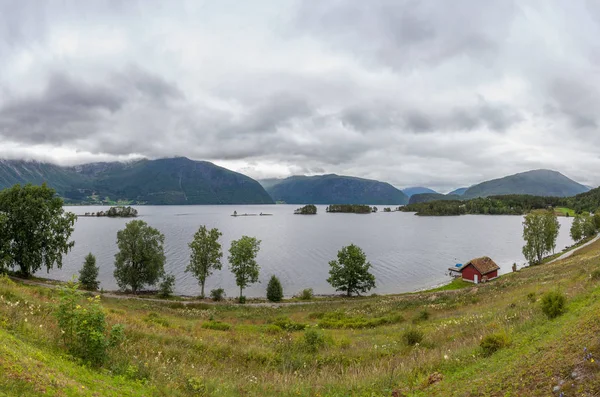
pixel 562 211
pixel 422 344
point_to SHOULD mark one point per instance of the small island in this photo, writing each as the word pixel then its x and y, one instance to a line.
pixel 115 212
pixel 309 209
pixel 351 208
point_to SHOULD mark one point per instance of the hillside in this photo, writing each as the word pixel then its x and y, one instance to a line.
pixel 336 189
pixel 232 350
pixel 536 183
pixel 411 191
pixel 163 181
pixel 459 192
pixel 428 197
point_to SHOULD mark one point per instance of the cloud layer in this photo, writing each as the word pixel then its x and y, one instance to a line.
pixel 432 93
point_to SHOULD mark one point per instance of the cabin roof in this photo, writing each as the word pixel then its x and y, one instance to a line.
pixel 484 265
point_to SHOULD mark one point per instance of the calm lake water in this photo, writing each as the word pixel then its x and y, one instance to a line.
pixel 407 252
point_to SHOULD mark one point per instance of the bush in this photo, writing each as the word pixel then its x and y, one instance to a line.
pixel 242 299
pixel 422 316
pixel 313 340
pixel 532 297
pixel 155 318
pixel 83 326
pixel 339 320
pixel 289 325
pixel 553 304
pixel 492 343
pixel 217 294
pixel 88 275
pixel 306 294
pixel 412 336
pixel 596 275
pixel 166 286
pixel 216 325
pixel 274 290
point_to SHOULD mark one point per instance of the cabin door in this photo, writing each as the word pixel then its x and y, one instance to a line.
pixel 476 279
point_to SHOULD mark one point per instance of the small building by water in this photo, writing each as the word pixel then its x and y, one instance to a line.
pixel 477 270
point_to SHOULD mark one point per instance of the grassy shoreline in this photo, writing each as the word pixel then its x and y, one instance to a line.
pixel 360 348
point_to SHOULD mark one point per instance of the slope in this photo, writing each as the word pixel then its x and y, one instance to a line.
pixel 411 191
pixel 336 189
pixel 536 183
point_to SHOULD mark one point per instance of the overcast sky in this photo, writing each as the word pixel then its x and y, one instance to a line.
pixel 433 93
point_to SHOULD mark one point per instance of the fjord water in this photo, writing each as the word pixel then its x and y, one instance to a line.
pixel 407 252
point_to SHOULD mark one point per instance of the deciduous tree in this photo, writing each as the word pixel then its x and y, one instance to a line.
pixel 242 261
pixel 350 272
pixel 205 256
pixel 540 229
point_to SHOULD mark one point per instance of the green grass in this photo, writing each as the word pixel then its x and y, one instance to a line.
pixel 563 211
pixel 349 347
pixel 457 283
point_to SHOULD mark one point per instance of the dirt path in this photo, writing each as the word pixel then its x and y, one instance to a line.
pixel 569 253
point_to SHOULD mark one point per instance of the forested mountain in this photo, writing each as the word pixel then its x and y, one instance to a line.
pixel 335 189
pixel 536 183
pixel 428 197
pixel 411 191
pixel 163 181
pixel 459 192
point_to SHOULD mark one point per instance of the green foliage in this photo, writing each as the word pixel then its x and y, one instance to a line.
pixel 83 326
pixel 274 290
pixel 314 340
pixel 288 325
pixel 309 209
pixel 156 318
pixel 216 325
pixel 242 261
pixel 532 297
pixel 141 258
pixel 350 272
pixel 205 255
pixel 423 315
pixel 577 228
pixel 339 320
pixel 595 275
pixel 242 299
pixel 349 208
pixel 217 294
pixel 492 343
pixel 88 275
pixel 34 229
pixel 553 304
pixel 306 294
pixel 122 212
pixel 166 286
pixel 412 336
pixel 540 230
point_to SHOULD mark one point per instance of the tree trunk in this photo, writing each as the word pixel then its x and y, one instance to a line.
pixel 241 290
pixel 202 290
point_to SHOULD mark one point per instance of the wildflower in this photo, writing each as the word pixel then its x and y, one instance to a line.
pixel 445 356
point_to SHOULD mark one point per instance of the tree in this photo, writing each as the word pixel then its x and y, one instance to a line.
pixel 350 272
pixel 274 290
pixel 34 229
pixel 141 258
pixel 206 255
pixel 540 230
pixel 577 228
pixel 88 275
pixel 242 261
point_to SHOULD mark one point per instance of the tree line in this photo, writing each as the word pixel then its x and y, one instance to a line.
pixel 35 231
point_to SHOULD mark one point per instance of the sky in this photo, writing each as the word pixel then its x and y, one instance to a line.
pixel 440 93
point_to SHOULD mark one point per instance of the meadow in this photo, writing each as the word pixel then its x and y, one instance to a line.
pixel 420 344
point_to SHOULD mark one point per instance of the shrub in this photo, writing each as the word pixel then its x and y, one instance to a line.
pixel 217 294
pixel 155 318
pixel 596 274
pixel 274 290
pixel 492 343
pixel 339 320
pixel 242 299
pixel 412 336
pixel 166 286
pixel 313 340
pixel 423 315
pixel 306 294
pixel 88 275
pixel 532 297
pixel 553 304
pixel 289 325
pixel 83 326
pixel 216 325
pixel 273 329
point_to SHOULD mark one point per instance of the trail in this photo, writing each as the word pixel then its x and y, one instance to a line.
pixel 569 253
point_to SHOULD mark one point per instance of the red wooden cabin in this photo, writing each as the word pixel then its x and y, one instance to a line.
pixel 479 269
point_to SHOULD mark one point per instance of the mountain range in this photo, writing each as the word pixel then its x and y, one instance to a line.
pixel 183 181
pixel 334 189
pixel 164 181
